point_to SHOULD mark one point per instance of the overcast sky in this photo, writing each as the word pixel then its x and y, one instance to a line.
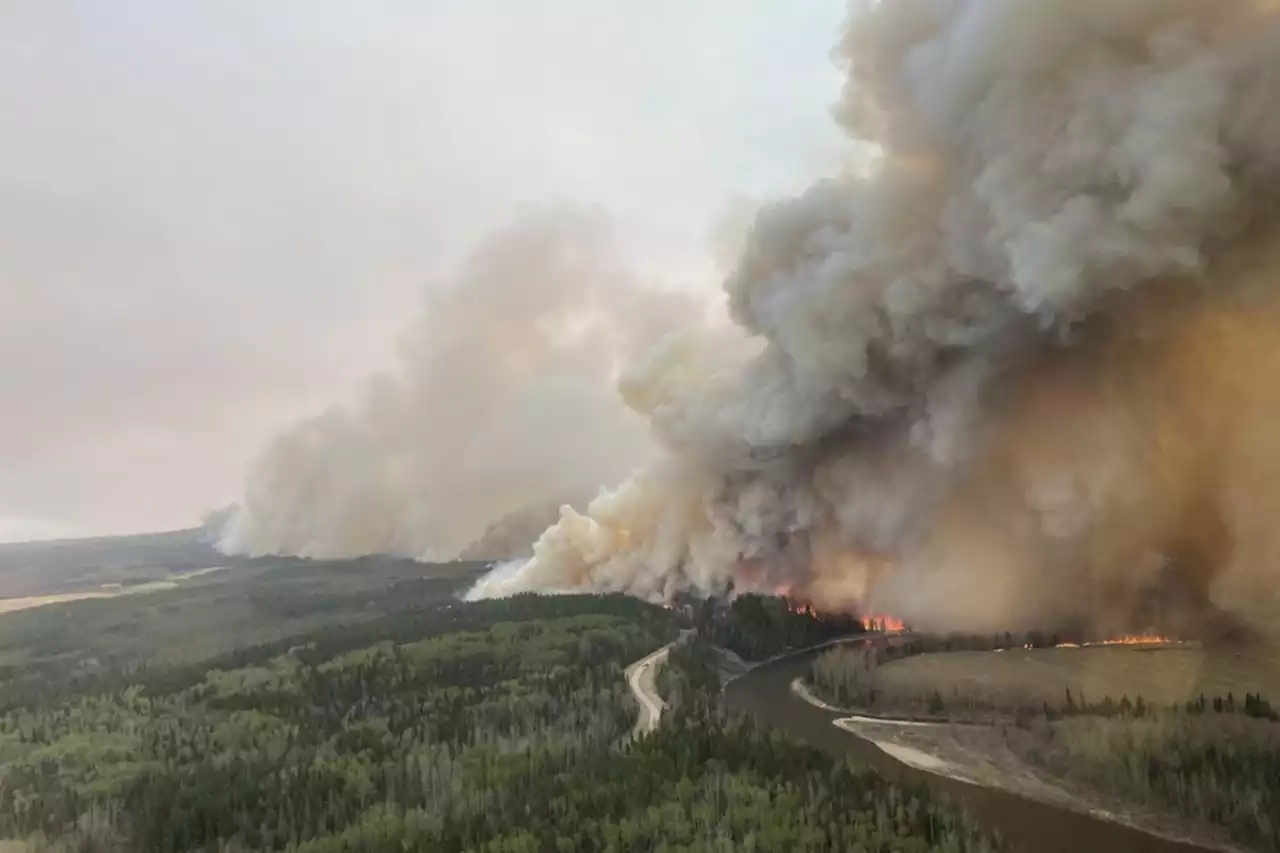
pixel 214 216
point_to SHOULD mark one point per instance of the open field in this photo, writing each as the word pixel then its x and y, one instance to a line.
pixel 111 590
pixel 1161 675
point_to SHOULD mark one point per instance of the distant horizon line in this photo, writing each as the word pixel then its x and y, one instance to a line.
pixel 73 538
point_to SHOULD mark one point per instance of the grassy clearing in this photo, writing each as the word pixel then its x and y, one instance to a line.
pixel 13 605
pixel 1162 676
pixel 30 602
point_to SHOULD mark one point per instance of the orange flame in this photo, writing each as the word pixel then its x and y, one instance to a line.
pixel 1137 640
pixel 1126 640
pixel 876 622
pixel 881 622
pixel 797 606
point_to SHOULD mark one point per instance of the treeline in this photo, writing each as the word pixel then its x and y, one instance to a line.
pixel 1253 705
pixel 847 677
pixel 757 627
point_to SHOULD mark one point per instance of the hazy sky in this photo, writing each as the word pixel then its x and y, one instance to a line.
pixel 214 216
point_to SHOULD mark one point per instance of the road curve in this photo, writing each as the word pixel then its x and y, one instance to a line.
pixel 640 675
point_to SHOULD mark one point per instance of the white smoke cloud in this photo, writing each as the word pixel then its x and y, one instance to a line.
pixel 504 401
pixel 958 387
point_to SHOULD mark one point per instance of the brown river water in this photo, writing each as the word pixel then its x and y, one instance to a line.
pixel 1027 825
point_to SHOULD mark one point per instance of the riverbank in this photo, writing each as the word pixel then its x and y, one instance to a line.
pixel 1028 824
pixel 736 667
pixel 979 754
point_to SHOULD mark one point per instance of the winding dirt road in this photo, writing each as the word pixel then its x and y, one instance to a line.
pixel 640 675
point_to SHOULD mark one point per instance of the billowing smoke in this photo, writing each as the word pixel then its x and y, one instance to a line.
pixel 504 405
pixel 1021 370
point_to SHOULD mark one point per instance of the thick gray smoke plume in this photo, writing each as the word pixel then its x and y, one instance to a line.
pixel 504 403
pixel 1022 370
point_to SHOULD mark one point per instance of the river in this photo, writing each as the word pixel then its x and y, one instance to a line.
pixel 1029 826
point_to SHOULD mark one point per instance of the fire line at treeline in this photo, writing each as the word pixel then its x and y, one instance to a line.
pixel 886 624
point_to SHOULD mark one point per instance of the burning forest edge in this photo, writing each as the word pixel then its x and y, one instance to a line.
pixel 711 610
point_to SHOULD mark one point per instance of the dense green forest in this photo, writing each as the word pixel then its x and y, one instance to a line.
pixel 99 646
pixel 757 627
pixel 690 681
pixel 493 726
pixel 332 735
